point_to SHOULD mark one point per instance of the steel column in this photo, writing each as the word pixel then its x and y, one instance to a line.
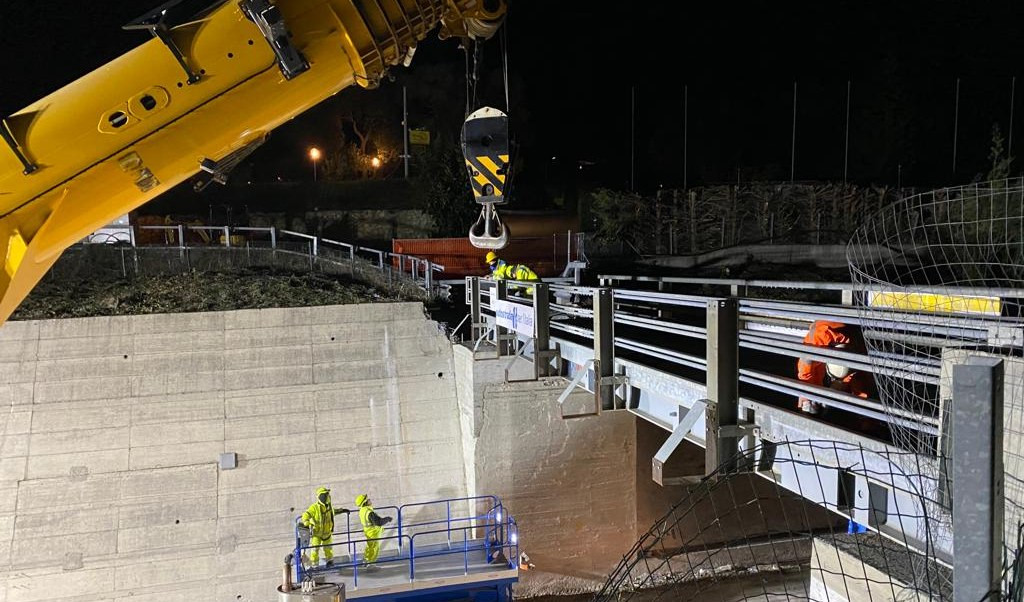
pixel 501 335
pixel 977 478
pixel 722 382
pixel 542 333
pixel 604 347
pixel 473 300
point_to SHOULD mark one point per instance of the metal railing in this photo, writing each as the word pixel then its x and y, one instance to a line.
pixel 316 249
pixel 464 533
pixel 660 324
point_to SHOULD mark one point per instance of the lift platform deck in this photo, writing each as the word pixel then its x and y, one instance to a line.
pixel 452 549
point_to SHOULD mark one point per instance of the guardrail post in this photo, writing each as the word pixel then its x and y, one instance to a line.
pixel 541 333
pixel 722 382
pixel 273 237
pixel 500 293
pixel 978 504
pixel 428 277
pixel 604 347
pixel 473 301
pixel 227 236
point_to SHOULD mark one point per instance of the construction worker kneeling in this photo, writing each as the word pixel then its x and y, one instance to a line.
pixel 319 518
pixel 507 271
pixel 373 527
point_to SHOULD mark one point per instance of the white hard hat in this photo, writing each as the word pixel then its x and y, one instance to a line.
pixel 838 370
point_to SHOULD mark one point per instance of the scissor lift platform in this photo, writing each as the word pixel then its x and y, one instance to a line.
pixel 454 549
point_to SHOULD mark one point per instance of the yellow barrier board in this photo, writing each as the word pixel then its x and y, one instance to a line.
pixel 926 302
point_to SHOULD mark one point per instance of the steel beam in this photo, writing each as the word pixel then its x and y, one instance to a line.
pixel 977 478
pixel 722 381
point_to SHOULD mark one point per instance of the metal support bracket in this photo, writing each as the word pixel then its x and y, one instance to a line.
pixel 27 166
pixel 268 18
pixel 678 434
pixel 742 429
pixel 156 23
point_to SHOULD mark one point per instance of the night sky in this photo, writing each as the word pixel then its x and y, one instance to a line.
pixel 573 67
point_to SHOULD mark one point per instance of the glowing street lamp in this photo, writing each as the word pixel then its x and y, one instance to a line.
pixel 375 162
pixel 314 154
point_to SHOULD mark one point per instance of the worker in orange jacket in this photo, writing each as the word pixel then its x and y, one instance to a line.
pixel 836 335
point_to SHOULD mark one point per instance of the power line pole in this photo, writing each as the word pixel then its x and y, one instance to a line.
pixel 686 133
pixel 405 130
pixel 846 144
pixel 792 151
pixel 632 140
pixel 1009 144
pixel 956 122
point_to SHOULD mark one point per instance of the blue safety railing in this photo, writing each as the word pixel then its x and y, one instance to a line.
pixel 456 534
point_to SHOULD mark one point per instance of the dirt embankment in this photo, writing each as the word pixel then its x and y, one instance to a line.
pixel 64 297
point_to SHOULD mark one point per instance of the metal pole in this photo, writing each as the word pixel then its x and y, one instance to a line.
pixel 686 133
pixel 473 300
pixel 604 346
pixel 846 144
pixel 722 382
pixel 1009 143
pixel 314 170
pixel 978 501
pixel 541 334
pixel 405 129
pixel 792 151
pixel 501 336
pixel 956 122
pixel 632 141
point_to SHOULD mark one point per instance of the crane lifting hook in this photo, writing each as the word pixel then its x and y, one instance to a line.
pixel 485 149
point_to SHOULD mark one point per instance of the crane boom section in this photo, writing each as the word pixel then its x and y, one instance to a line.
pixel 199 92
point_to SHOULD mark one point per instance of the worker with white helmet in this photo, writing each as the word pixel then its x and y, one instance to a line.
pixel 834 375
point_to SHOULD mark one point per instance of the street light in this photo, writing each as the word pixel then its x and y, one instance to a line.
pixel 314 154
pixel 375 162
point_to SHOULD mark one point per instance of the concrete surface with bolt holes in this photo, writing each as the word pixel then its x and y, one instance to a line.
pixel 111 431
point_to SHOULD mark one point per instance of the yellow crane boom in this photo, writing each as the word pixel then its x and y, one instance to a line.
pixel 199 96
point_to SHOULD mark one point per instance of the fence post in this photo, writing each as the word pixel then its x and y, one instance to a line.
pixel 227 236
pixel 181 239
pixel 722 382
pixel 273 238
pixel 977 477
pixel 428 277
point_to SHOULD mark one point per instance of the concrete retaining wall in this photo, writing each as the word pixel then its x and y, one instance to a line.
pixel 569 483
pixel 112 427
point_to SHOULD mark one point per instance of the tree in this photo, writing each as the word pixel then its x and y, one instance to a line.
pixel 445 185
pixel 1000 169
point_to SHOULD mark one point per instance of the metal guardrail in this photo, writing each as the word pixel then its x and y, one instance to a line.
pixel 774 327
pixel 656 372
pixel 422 271
pixel 489 532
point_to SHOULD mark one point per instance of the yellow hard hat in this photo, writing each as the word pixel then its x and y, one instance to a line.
pixel 492 257
pixel 361 499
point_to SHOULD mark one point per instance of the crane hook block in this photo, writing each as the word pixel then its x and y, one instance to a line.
pixel 485 149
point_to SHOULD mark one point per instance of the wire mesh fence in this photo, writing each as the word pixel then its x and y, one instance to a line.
pixel 948 255
pixel 770 533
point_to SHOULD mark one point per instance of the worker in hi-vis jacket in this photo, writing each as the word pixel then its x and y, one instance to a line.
pixel 373 527
pixel 319 517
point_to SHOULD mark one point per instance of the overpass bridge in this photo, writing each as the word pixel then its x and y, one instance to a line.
pixel 713 362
